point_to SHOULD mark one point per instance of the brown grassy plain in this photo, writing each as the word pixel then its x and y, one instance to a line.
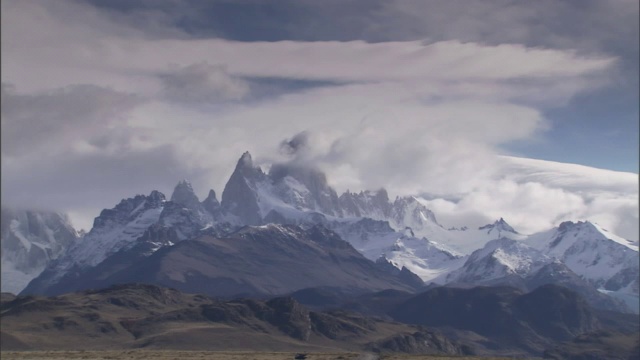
pixel 210 355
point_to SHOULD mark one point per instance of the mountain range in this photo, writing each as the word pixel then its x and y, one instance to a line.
pixel 287 229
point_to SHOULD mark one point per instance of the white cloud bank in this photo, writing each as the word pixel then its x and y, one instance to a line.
pixel 97 112
pixel 535 194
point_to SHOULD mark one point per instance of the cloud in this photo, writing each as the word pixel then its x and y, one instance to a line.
pixel 82 184
pixel 98 103
pixel 533 195
pixel 596 25
pixel 45 121
pixel 297 144
pixel 202 83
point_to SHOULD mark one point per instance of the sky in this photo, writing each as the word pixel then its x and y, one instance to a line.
pixel 102 100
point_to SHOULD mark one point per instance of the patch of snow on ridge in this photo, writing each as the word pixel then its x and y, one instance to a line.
pixel 587 251
pixel 99 245
pixel 269 199
pixel 633 245
pixel 424 258
pixel 498 259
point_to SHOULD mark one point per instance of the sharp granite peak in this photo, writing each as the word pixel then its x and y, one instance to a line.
pixel 404 232
pixel 292 191
pixel 499 226
pixel 183 194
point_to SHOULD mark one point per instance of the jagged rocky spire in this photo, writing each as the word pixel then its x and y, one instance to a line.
pixel 239 197
pixel 183 194
pixel 211 203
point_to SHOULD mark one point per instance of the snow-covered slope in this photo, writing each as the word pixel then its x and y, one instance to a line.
pixel 376 238
pixel 124 226
pixel 499 259
pixel 30 240
pixel 516 263
pixel 404 231
pixel 117 228
pixel 186 215
pixel 112 231
pixel 464 241
pixel 581 256
pixel 289 193
pixel 606 260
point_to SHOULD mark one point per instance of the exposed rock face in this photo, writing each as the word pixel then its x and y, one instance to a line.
pixel 183 194
pixel 407 210
pixel 366 203
pixel 239 196
pixel 405 274
pixel 115 229
pixel 293 193
pixel 271 259
pixel 498 227
pixel 404 231
pixel 187 215
pixel 127 210
pixel 142 224
pixel 211 204
pixel 30 241
pixel 316 194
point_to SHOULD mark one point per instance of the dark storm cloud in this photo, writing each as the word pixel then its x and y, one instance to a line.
pixel 589 26
pixel 32 121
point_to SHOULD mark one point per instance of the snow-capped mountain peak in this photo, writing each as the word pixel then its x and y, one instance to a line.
pixel 304 187
pixel 499 259
pixel 404 231
pixel 183 194
pixel 113 230
pixel 633 245
pixel 567 233
pixel 590 252
pixel 239 196
pixel 119 227
pixel 498 227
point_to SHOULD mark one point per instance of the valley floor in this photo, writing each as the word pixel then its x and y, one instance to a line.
pixel 209 355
